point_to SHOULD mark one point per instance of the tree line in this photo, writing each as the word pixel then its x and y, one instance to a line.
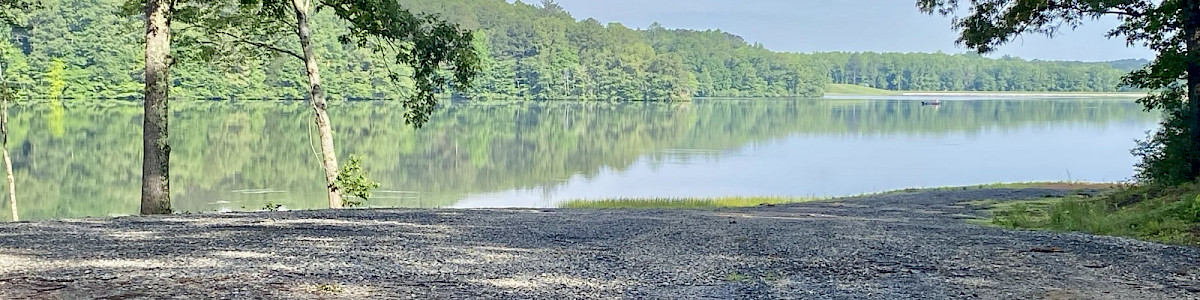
pixel 80 49
pixel 972 72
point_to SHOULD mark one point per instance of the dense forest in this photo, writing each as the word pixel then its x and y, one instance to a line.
pixel 972 72
pixel 81 49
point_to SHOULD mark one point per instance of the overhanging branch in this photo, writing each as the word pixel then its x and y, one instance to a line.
pixel 238 39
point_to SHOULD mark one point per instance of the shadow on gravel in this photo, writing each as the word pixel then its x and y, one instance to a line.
pixel 905 245
pixel 308 254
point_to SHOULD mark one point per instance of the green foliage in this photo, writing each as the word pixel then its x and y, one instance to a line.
pixel 330 288
pixel 736 277
pixel 534 52
pixel 352 180
pixel 99 52
pixel 7 93
pixel 1021 213
pixel 1166 153
pixel 725 65
pixel 271 206
pixel 1172 154
pixel 12 11
pixel 1168 214
pixel 966 72
pixel 1128 65
pixel 683 202
pixel 425 43
pixel 523 52
pixel 55 81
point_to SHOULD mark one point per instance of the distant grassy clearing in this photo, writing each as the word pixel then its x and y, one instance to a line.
pixel 717 202
pixel 837 88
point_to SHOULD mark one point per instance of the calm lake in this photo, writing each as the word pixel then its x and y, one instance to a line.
pixel 84 159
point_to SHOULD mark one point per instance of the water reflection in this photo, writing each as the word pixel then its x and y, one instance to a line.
pixel 84 160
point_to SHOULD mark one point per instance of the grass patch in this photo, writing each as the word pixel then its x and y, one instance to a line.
pixel 837 88
pixel 330 288
pixel 684 202
pixel 736 277
pixel 1054 185
pixel 1163 214
pixel 1017 214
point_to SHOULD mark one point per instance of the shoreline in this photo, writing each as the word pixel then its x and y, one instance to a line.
pixel 1026 94
pixel 855 90
pixel 995 94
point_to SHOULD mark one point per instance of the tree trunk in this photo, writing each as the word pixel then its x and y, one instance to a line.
pixel 156 197
pixel 1191 30
pixel 317 93
pixel 8 170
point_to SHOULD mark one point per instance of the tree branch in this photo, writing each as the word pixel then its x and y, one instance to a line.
pixel 1131 14
pixel 239 39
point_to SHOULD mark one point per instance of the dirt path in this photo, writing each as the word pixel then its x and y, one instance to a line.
pixel 896 246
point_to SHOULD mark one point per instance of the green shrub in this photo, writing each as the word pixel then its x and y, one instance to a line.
pixel 352 180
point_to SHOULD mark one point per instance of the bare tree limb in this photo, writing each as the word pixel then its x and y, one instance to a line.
pixel 267 46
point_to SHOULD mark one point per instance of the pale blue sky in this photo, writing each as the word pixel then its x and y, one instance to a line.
pixel 844 25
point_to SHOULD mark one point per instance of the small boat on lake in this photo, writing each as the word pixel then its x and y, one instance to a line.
pixel 931 102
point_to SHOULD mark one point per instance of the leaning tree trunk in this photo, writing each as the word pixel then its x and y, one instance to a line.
pixel 8 170
pixel 324 130
pixel 156 197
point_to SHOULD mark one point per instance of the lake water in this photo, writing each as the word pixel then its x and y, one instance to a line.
pixel 84 159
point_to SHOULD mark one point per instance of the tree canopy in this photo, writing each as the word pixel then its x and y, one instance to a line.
pixel 231 32
pixel 526 52
pixel 972 72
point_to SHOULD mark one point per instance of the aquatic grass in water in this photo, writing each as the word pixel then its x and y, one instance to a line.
pixel 717 202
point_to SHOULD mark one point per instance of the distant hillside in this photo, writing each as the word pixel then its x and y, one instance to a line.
pixel 967 72
pixel 714 63
pixel 1128 65
pixel 542 52
pixel 83 49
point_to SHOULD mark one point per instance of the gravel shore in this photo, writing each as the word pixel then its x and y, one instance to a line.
pixel 893 246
